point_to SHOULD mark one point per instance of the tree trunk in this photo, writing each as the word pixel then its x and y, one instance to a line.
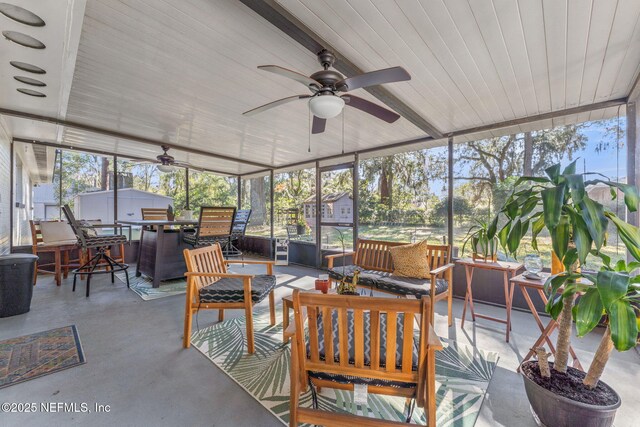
pixel 258 202
pixel 104 171
pixel 528 154
pixel 599 360
pixel 564 336
pixel 386 185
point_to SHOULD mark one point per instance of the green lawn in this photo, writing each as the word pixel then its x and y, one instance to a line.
pixel 404 233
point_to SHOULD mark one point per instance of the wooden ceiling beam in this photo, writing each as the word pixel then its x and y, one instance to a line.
pixel 294 28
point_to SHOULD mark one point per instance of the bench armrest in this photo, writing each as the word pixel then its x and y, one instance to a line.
pixel 346 254
pixel 441 269
pixel 330 258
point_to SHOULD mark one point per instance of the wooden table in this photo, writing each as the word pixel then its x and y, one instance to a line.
pixel 525 286
pixel 287 304
pixel 160 252
pixel 507 269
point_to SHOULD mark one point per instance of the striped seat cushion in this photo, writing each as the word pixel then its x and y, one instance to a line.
pixel 367 277
pixel 410 286
pixel 104 240
pixel 231 289
pixel 190 238
pixel 367 348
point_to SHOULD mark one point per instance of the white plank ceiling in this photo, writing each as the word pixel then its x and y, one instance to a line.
pixel 487 61
pixel 183 72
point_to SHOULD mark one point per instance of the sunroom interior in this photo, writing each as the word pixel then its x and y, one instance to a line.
pixel 497 90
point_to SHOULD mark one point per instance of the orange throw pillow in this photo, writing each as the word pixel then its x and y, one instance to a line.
pixel 411 260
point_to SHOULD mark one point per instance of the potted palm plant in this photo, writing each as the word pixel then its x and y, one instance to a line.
pixel 483 241
pixel 577 224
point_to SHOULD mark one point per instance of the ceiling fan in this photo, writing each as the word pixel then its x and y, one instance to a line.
pixel 325 101
pixel 167 163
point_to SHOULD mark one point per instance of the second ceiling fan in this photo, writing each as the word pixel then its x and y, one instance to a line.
pixel 325 101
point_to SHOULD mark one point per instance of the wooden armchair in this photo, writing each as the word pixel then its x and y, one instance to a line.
pixel 211 286
pixel 373 259
pixel 59 239
pixel 361 350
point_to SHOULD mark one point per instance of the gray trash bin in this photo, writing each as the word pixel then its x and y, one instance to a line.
pixel 16 283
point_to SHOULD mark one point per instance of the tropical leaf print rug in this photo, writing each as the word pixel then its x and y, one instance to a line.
pixel 462 375
pixel 143 286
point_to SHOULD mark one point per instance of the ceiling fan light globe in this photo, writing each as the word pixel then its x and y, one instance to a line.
pixel 326 106
pixel 166 168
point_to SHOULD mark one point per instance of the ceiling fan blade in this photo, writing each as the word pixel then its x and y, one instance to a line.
pixel 307 81
pixel 318 125
pixel 371 108
pixel 265 107
pixel 388 75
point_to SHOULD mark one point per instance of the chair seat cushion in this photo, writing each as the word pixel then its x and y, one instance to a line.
pixel 410 286
pixel 190 238
pixel 104 240
pixel 367 348
pixel 231 289
pixel 367 277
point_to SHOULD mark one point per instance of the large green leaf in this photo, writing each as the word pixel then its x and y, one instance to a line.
pixel 629 234
pixel 588 312
pixel 612 286
pixel 552 201
pixel 570 169
pixel 576 187
pixel 493 227
pixel 553 172
pixel 529 205
pixel 536 228
pixel 511 209
pixel 538 179
pixel 581 236
pixel 623 324
pixel 560 237
pixel 513 240
pixel 503 235
pixel 631 195
pixel 593 215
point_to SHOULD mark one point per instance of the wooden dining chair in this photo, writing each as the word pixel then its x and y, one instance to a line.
pixel 214 226
pixel 155 214
pixel 211 286
pixel 358 340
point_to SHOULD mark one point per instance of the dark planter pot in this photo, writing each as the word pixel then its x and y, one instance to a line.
pixel 301 229
pixel 552 410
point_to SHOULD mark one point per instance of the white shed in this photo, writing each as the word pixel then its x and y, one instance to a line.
pixel 336 208
pixel 99 204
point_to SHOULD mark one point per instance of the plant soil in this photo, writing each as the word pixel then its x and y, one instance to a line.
pixel 570 385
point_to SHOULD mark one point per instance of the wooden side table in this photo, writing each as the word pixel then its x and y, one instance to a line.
pixel 508 269
pixel 287 304
pixel 538 286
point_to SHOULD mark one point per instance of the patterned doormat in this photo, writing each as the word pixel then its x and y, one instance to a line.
pixel 32 356
pixel 462 375
pixel 143 286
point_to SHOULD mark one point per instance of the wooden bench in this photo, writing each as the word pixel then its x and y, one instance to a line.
pixel 373 259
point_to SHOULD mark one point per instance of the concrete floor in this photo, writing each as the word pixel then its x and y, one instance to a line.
pixel 136 364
